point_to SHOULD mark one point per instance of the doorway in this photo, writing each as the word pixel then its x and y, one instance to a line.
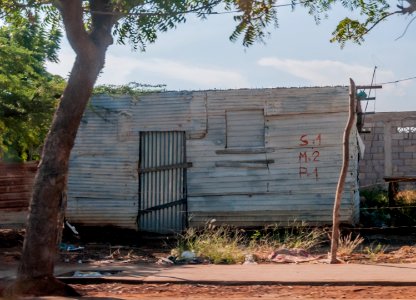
pixel 162 182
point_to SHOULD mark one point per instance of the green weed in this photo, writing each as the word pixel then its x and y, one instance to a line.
pixel 295 235
pixel 374 250
pixel 225 244
pixel 220 244
pixel 375 197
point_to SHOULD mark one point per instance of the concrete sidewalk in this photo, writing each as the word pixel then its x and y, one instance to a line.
pixel 285 274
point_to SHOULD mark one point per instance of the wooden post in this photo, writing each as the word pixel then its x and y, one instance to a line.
pixel 393 190
pixel 342 175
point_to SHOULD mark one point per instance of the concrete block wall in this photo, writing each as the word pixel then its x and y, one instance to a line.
pixel 389 149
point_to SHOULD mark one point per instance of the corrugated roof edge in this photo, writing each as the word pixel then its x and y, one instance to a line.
pixel 216 90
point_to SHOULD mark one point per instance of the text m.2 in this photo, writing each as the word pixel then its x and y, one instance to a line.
pixel 309 158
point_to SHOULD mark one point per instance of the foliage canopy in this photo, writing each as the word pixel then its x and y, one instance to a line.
pixel 28 94
pixel 133 89
pixel 138 22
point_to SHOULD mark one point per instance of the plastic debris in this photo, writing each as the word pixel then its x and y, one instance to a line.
pixel 284 255
pixel 69 247
pixel 87 274
pixel 73 229
pixel 94 273
pixel 250 260
pixel 188 255
pixel 165 261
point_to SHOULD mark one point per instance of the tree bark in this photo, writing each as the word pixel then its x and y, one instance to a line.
pixel 51 178
pixel 342 176
pixel 35 272
pixel 40 244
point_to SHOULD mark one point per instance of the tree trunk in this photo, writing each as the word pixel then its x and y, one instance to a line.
pixel 35 272
pixel 342 175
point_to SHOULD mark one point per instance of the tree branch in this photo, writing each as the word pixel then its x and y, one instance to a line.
pixel 410 9
pixel 72 17
pixel 193 10
pixel 102 24
pixel 381 19
pixel 162 14
pixel 407 27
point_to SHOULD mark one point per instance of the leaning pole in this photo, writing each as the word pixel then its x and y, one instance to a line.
pixel 342 175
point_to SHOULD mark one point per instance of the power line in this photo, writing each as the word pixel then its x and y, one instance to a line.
pixel 372 82
pixel 397 81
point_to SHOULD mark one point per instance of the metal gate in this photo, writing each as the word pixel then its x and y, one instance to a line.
pixel 162 182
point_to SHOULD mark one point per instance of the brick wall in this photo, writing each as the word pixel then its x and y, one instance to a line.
pixel 390 149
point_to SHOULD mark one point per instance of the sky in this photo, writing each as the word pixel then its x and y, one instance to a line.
pixel 198 56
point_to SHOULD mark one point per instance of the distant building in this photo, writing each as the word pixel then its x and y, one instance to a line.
pixel 390 149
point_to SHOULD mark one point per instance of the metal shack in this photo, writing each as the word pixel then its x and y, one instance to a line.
pixel 245 157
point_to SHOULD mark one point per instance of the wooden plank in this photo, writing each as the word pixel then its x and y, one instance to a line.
pixel 244 164
pixel 409 178
pixel 366 113
pixel 167 167
pixel 245 151
pixel 365 87
pixel 366 99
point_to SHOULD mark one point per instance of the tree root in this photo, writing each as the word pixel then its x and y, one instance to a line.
pixel 45 286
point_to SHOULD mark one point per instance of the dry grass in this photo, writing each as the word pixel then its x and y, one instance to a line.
pixel 407 197
pixel 225 244
pixel 347 245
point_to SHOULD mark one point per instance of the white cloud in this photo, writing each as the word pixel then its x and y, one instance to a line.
pixel 325 72
pixel 63 68
pixel 123 69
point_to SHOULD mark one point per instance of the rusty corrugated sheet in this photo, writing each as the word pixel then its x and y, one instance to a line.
pixel 16 182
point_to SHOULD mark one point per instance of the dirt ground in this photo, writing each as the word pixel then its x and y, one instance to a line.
pixel 187 291
pixel 149 251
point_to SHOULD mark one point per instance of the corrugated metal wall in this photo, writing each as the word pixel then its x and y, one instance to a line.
pixel 293 177
pixel 103 183
pixel 103 178
pixel 243 172
pixel 162 176
pixel 245 128
pixel 16 182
